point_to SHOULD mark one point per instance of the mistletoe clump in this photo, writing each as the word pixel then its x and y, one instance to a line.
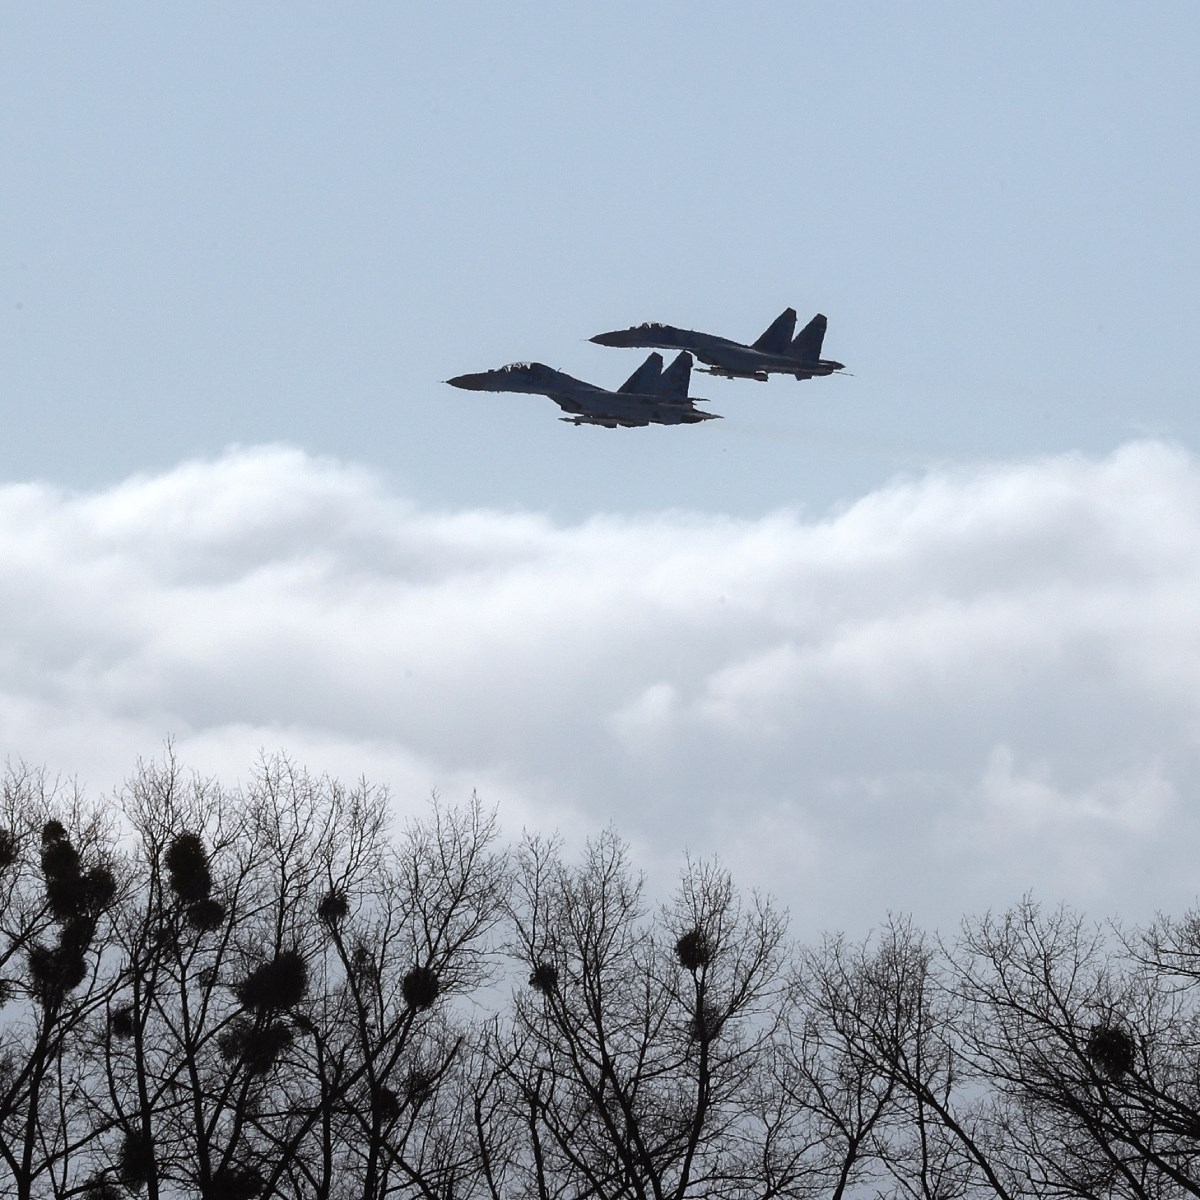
pixel 363 965
pixel 333 907
pixel 81 897
pixel 60 871
pixel 265 1046
pixel 205 915
pixel 99 890
pixel 235 1035
pixel 56 970
pixel 420 987
pixel 187 868
pixel 234 1183
pixel 53 831
pixel 60 860
pixel 385 1102
pixel 278 984
pixel 121 1021
pixel 136 1161
pixel 544 978
pixel 8 848
pixel 71 894
pixel 258 1046
pixel 693 950
pixel 1111 1049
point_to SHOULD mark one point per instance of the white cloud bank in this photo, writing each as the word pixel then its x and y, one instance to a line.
pixel 962 687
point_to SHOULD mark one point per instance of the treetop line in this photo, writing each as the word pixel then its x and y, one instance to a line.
pixel 265 993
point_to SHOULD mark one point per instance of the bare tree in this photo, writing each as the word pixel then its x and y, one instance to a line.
pixel 908 1109
pixel 272 992
pixel 1090 1054
pixel 399 1055
pixel 58 886
pixel 261 997
pixel 832 1106
pixel 637 1046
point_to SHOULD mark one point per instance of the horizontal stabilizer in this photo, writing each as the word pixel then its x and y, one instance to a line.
pixel 778 336
pixel 807 345
pixel 644 381
pixel 675 379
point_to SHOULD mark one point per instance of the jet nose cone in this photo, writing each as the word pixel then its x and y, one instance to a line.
pixel 616 337
pixel 474 383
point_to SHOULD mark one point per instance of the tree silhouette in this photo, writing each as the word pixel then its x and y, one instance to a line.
pixel 274 992
pixel 637 1063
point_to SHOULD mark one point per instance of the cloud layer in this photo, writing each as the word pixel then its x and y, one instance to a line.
pixel 962 687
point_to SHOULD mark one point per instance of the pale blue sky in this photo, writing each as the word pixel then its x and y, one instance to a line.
pixel 286 223
pixel 241 223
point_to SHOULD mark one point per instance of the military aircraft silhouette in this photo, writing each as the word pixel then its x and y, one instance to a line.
pixel 650 396
pixel 776 352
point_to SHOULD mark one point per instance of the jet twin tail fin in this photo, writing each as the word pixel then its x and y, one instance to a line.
pixel 673 385
pixel 644 381
pixel 807 345
pixel 778 335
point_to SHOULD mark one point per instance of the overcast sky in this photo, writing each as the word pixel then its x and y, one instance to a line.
pixel 923 638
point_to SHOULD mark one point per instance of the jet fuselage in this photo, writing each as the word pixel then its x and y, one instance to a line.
pixel 590 405
pixel 722 356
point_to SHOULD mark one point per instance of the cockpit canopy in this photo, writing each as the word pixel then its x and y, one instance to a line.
pixel 534 372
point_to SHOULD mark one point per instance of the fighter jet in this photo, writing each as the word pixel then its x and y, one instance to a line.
pixel 650 396
pixel 777 352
